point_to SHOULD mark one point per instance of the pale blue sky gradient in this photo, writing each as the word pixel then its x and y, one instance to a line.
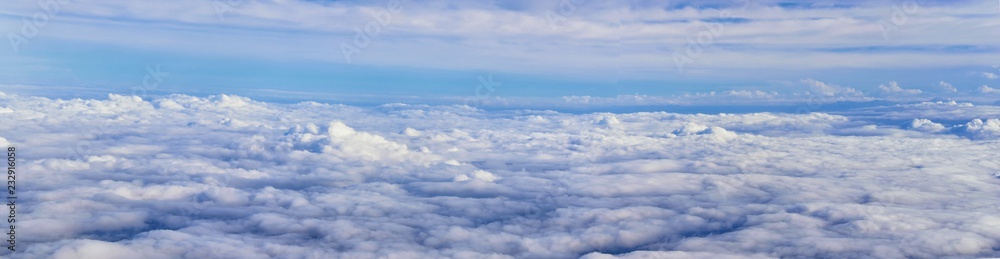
pixel 436 49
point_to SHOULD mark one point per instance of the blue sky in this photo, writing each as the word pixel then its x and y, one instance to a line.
pixel 434 49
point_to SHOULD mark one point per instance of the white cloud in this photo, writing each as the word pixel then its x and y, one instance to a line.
pixel 893 88
pixel 751 94
pixel 987 89
pixel 226 176
pixel 609 120
pixel 829 90
pixel 979 129
pixel 924 125
pixel 447 35
pixel 477 175
pixel 411 132
pixel 989 75
pixel 947 87
pixel 713 132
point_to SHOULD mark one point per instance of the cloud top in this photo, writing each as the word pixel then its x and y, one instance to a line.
pixel 225 176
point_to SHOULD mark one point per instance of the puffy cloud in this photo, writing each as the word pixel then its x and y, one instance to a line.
pixel 227 176
pixel 609 120
pixel 341 141
pixel 989 75
pixel 714 132
pixel 947 87
pixel 987 89
pixel 477 175
pixel 101 249
pixel 824 89
pixel 411 132
pixel 979 129
pixel 924 125
pixel 893 88
pixel 691 129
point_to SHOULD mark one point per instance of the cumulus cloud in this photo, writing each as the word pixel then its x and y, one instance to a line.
pixel 987 89
pixel 947 87
pixel 227 176
pixel 713 132
pixel 989 75
pixel 894 88
pixel 477 175
pixel 829 90
pixel 609 120
pixel 979 129
pixel 924 125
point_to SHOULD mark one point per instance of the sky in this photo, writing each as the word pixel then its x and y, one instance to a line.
pixel 419 51
pixel 501 129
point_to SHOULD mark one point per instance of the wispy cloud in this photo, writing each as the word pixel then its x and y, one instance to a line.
pixel 608 41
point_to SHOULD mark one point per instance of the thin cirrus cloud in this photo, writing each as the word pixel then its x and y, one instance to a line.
pixel 846 157
pixel 632 46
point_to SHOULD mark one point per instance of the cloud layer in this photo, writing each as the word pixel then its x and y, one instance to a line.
pixel 227 176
